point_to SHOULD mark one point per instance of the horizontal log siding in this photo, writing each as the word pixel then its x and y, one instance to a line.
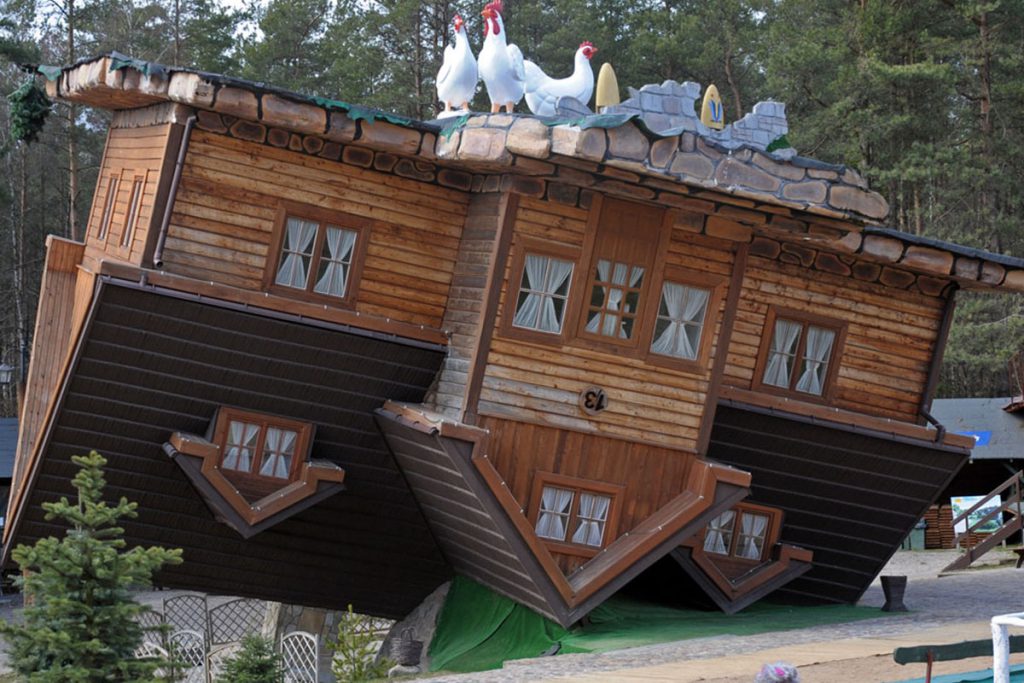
pixel 891 335
pixel 129 152
pixel 541 383
pixel 651 476
pixel 228 199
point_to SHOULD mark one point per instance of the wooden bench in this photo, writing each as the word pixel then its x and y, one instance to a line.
pixel 929 654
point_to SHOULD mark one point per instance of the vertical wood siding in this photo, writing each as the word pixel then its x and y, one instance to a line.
pixel 541 383
pixel 130 152
pixel 651 476
pixel 229 196
pixel 890 340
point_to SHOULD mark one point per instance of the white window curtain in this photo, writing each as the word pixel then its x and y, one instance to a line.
pixel 242 438
pixel 278 450
pixel 334 262
pixel 682 312
pixel 816 357
pixel 718 536
pixel 784 342
pixel 592 517
pixel 296 253
pixel 555 504
pixel 545 279
pixel 612 297
pixel 754 527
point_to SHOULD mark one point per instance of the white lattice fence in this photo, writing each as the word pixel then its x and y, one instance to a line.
pixel 301 657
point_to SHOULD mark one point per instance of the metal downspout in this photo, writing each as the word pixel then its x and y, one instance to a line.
pixel 158 251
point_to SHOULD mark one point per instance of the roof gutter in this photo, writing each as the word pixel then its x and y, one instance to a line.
pixel 158 251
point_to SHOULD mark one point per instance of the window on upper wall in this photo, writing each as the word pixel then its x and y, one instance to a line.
pixel 623 260
pixel 743 532
pixel 109 202
pixel 576 515
pixel 318 254
pixel 799 354
pixel 542 282
pixel 254 445
pixel 134 206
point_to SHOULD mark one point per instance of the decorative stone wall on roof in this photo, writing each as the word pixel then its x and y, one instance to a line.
pixel 671 108
pixel 684 157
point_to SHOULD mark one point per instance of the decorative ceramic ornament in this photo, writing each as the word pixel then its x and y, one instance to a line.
pixel 712 113
pixel 607 93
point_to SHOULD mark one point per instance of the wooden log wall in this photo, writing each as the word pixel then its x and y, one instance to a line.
pixel 541 383
pixel 939 532
pixel 651 476
pixel 891 335
pixel 133 152
pixel 231 189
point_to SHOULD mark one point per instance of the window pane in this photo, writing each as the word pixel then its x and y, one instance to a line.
pixel 542 293
pixel 240 445
pixel 718 537
pixel 814 368
pixel 782 354
pixel 296 253
pixel 593 514
pixel 278 451
pixel 753 529
pixel 335 261
pixel 680 321
pixel 553 516
pixel 614 299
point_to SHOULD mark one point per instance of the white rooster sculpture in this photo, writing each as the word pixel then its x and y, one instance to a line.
pixel 543 92
pixel 501 64
pixel 456 81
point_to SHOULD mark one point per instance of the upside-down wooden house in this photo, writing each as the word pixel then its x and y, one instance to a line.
pixel 338 355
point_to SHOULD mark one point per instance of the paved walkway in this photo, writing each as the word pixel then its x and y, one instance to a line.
pixel 948 609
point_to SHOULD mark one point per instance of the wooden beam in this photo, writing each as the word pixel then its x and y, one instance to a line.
pixel 940 349
pixel 739 267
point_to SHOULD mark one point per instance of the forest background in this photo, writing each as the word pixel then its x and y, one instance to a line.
pixel 924 97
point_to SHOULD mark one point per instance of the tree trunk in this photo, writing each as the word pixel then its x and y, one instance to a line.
pixel 733 86
pixel 73 227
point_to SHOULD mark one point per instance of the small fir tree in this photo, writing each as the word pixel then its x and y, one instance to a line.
pixel 356 656
pixel 80 624
pixel 256 662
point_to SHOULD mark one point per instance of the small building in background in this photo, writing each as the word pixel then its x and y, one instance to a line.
pixel 8 448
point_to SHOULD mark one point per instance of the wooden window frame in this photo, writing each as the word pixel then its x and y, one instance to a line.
pixel 601 237
pixel 532 246
pixel 681 276
pixel 578 486
pixel 360 225
pixel 109 206
pixel 304 441
pixel 134 208
pixel 771 534
pixel 805 319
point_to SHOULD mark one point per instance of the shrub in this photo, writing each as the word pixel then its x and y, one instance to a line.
pixel 355 651
pixel 256 662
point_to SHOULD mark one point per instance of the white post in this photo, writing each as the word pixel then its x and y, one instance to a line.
pixel 1000 653
pixel 1001 645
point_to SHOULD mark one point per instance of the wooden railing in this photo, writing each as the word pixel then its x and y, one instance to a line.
pixel 1011 503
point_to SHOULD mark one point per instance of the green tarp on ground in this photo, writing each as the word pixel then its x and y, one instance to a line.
pixel 479 629
pixel 984 676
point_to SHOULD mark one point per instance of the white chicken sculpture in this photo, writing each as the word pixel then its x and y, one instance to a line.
pixel 501 64
pixel 456 81
pixel 543 92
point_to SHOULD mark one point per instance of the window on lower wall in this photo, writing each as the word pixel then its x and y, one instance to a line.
pixel 574 516
pixel 745 532
pixel 258 447
pixel 316 253
pixel 799 354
